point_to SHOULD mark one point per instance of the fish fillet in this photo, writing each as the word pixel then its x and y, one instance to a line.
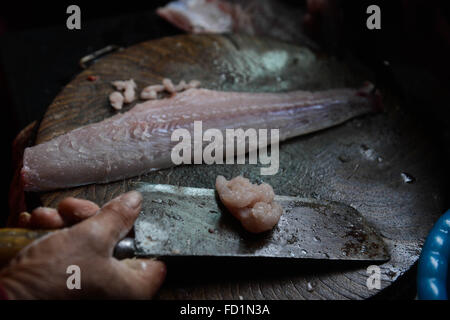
pixel 253 17
pixel 139 141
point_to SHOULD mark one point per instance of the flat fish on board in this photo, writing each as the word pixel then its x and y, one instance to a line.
pixel 139 141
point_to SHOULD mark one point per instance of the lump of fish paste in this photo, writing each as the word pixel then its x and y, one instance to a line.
pixel 116 100
pixel 169 86
pixel 253 205
pixel 128 87
pixel 151 92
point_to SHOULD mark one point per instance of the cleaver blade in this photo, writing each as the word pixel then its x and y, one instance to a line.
pixel 185 221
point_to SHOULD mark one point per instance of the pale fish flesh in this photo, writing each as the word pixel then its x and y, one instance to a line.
pixel 139 141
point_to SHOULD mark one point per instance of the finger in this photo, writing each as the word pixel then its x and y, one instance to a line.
pixel 145 276
pixel 24 220
pixel 113 221
pixel 46 218
pixel 74 210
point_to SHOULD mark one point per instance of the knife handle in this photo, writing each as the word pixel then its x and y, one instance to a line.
pixel 12 240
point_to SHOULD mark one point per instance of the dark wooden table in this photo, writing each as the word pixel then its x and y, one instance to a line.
pixel 359 163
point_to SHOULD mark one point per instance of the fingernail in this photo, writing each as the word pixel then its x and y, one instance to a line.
pixel 132 199
pixel 24 214
pixel 24 219
pixel 135 264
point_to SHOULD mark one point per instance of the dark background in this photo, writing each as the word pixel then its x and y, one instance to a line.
pixel 38 55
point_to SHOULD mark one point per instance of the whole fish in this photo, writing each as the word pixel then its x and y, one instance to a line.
pixel 139 141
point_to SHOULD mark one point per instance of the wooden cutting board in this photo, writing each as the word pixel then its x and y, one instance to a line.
pixel 358 163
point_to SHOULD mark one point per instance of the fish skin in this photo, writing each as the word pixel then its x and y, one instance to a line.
pixel 198 16
pixel 269 18
pixel 138 141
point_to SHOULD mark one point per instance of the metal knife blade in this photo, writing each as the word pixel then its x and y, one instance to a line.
pixel 185 221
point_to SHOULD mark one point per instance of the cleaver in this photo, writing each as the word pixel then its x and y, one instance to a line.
pixel 192 222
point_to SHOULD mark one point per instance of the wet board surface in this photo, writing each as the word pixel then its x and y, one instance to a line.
pixel 359 163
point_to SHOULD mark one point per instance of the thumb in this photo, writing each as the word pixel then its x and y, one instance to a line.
pixel 141 277
pixel 114 220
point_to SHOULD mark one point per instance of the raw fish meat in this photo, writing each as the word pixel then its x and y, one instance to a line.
pixel 139 141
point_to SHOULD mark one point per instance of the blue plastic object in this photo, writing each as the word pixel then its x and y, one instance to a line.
pixel 433 270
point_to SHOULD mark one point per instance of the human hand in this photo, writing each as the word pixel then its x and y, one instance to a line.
pixel 69 212
pixel 39 270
